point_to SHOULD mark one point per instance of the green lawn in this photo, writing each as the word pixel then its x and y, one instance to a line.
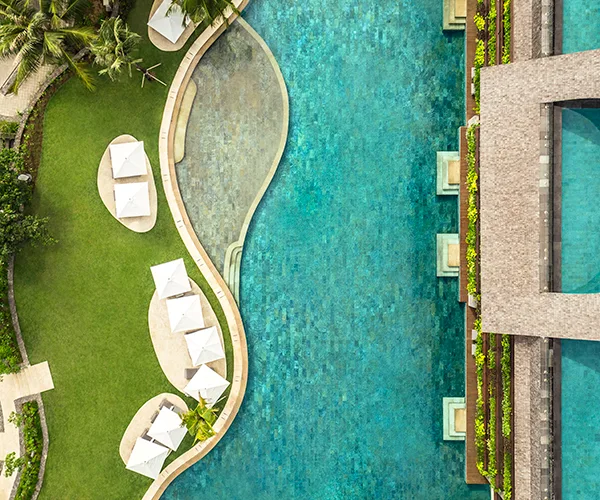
pixel 83 303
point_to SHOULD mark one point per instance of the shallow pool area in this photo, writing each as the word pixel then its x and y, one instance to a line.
pixel 580 195
pixel 580 26
pixel 580 419
pixel 352 339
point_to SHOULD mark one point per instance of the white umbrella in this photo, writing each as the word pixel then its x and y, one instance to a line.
pixel 204 346
pixel 185 313
pixel 169 23
pixel 208 384
pixel 168 428
pixel 147 458
pixel 127 159
pixel 132 200
pixel 171 278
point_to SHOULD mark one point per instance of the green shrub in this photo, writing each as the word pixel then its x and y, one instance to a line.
pixel 491 444
pixel 478 63
pixel 492 18
pixel 8 129
pixel 31 460
pixel 17 229
pixel 479 406
pixel 479 22
pixel 506 373
pixel 472 215
pixel 507 28
pixel 507 476
pixel 10 356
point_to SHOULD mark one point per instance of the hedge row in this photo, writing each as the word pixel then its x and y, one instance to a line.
pixel 472 213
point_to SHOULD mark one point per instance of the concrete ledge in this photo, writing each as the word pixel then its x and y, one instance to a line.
pixel 197 252
pixel 106 185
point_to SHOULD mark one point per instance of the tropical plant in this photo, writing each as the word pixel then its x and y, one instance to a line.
pixel 199 421
pixel 210 11
pixel 114 47
pixel 47 35
pixel 30 462
pixel 12 463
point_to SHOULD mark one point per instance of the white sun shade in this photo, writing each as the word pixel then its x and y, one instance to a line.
pixel 127 159
pixel 132 200
pixel 147 458
pixel 185 313
pixel 171 278
pixel 208 384
pixel 169 23
pixel 168 428
pixel 204 346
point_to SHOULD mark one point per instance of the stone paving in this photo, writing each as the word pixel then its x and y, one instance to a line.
pixel 13 104
pixel 29 381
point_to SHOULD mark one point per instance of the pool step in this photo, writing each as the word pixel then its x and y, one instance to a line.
pixel 231 268
pixel 455 14
pixel 448 255
pixel 455 419
pixel 448 173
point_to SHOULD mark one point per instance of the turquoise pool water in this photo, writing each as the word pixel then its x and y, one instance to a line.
pixel 581 25
pixel 580 260
pixel 352 339
pixel 580 420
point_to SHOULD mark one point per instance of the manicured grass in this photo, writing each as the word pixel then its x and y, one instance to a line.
pixel 83 303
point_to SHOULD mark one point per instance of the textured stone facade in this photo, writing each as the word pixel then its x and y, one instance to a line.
pixel 511 97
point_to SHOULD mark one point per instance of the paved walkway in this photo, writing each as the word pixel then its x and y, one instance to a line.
pixel 11 105
pixel 31 380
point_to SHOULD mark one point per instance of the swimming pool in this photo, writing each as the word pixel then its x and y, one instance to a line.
pixel 580 251
pixel 581 26
pixel 580 419
pixel 352 339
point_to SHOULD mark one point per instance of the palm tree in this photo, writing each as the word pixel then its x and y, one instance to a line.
pixel 114 46
pixel 43 36
pixel 199 421
pixel 210 11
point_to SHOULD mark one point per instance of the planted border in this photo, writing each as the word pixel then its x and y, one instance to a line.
pixel 480 435
pixel 506 26
pixel 492 18
pixel 472 211
pixel 506 370
pixel 32 439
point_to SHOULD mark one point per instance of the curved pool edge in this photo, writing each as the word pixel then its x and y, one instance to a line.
pixel 231 268
pixel 201 258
